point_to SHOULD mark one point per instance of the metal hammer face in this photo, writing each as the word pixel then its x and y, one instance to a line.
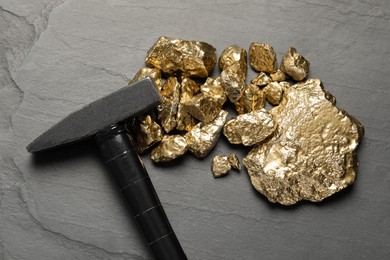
pixel 103 121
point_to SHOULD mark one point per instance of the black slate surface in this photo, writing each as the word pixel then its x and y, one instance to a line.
pixel 57 56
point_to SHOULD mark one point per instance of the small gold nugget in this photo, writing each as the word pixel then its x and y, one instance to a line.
pixel 252 99
pixel 203 137
pixel 261 80
pixel 234 58
pixel 148 132
pixel 177 56
pixel 153 73
pixel 232 84
pixel 279 76
pixel 234 162
pixel 168 109
pixel 213 88
pixel 203 107
pixel 170 147
pixel 274 93
pixel 295 65
pixel 312 152
pixel 220 166
pixel 184 120
pixel 262 57
pixel 251 128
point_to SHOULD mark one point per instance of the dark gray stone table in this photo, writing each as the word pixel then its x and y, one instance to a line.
pixel 56 56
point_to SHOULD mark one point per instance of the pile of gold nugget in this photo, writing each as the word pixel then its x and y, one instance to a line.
pixel 303 147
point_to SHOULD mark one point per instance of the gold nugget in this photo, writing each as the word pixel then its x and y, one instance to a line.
pixel 274 93
pixel 234 58
pixel 279 76
pixel 184 120
pixel 170 147
pixel 252 99
pixel 261 80
pixel 203 137
pixel 312 152
pixel 232 84
pixel 213 88
pixel 177 56
pixel 234 162
pixel 262 57
pixel 153 73
pixel 168 109
pixel 251 128
pixel 148 132
pixel 295 65
pixel 220 166
pixel 203 107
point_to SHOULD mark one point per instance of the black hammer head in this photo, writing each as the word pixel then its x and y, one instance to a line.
pixel 130 101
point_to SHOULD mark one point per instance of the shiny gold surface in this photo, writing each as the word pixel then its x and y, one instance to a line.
pixel 203 107
pixel 279 76
pixel 261 80
pixel 295 65
pixel 213 88
pixel 203 137
pixel 232 84
pixel 234 162
pixel 251 128
pixel 147 133
pixel 220 166
pixel 253 98
pixel 153 73
pixel 170 147
pixel 184 120
pixel 312 152
pixel 234 59
pixel 274 93
pixel 177 56
pixel 168 108
pixel 262 57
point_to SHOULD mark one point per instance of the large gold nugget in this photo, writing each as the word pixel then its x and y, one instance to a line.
pixel 203 137
pixel 232 84
pixel 153 73
pixel 262 57
pixel 213 88
pixel 184 120
pixel 220 166
pixel 177 56
pixel 203 107
pixel 274 93
pixel 167 110
pixel 251 128
pixel 295 65
pixel 170 147
pixel 312 152
pixel 148 133
pixel 252 99
pixel 234 58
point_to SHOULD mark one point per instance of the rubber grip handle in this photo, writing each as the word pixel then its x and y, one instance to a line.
pixel 119 153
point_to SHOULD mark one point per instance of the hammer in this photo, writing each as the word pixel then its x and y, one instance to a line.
pixel 103 120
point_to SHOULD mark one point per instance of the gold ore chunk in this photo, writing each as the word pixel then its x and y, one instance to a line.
pixel 262 57
pixel 203 107
pixel 184 120
pixel 252 99
pixel 295 65
pixel 220 166
pixel 274 93
pixel 279 76
pixel 203 137
pixel 153 73
pixel 170 147
pixel 234 162
pixel 232 84
pixel 261 80
pixel 234 58
pixel 251 128
pixel 148 132
pixel 168 109
pixel 312 152
pixel 177 56
pixel 213 88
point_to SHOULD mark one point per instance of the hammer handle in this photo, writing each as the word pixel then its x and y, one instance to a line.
pixel 119 153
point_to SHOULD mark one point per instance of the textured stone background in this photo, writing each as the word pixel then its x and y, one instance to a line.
pixel 56 56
